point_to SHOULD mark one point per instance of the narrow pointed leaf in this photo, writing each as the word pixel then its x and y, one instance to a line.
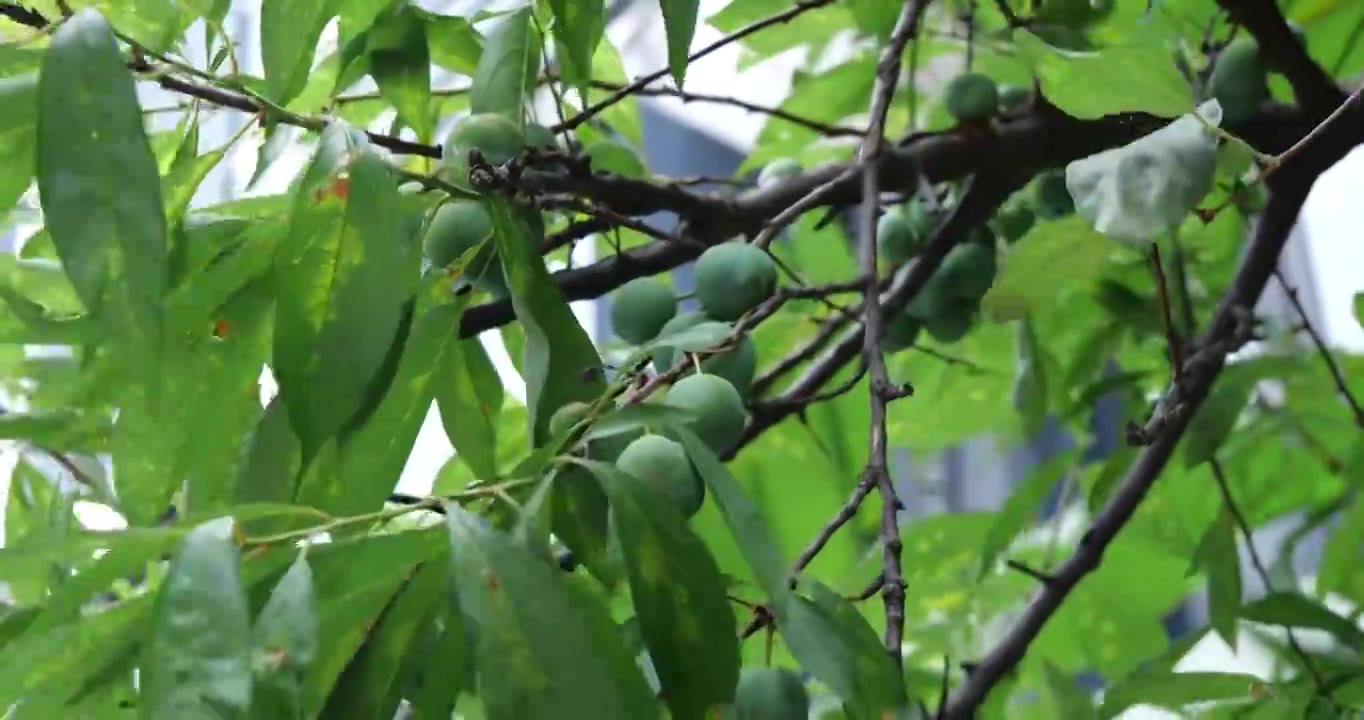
pixel 1293 610
pixel 400 63
pixel 1021 509
pixel 469 394
pixel 508 67
pixel 578 28
pixel 1218 557
pixel 197 662
pixel 284 642
pixel 289 31
pixel 18 123
pixel 99 184
pixel 678 594
pixel 539 655
pixel 560 364
pixel 342 286
pixel 364 690
pixel 1175 690
pixel 679 21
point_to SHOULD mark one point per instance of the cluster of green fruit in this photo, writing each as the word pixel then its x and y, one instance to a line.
pixel 731 279
pixel 973 98
pixel 768 693
pixel 1240 77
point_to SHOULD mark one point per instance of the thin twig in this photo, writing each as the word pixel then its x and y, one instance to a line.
pixel 882 392
pixel 1248 536
pixel 1326 356
pixel 593 110
pixel 687 96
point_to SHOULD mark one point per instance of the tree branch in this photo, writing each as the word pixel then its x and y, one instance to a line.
pixel 1336 375
pixel 1289 187
pixel 876 472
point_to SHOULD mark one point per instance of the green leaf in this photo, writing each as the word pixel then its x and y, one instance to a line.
pixel 470 397
pixel 539 652
pixel 273 459
pixel 455 44
pixel 678 594
pixel 509 66
pixel 355 580
pixel 18 120
pixel 68 655
pixel 1218 556
pixel 186 172
pixel 580 518
pixel 1359 308
pixel 1031 396
pixel 289 31
pixel 441 668
pixel 578 28
pixel 1141 190
pixel 1066 698
pixel 560 364
pixel 1052 255
pixel 1216 418
pixel 364 690
pixel 99 185
pixel 284 642
pixel 832 640
pixel 875 17
pixel 1175 690
pixel 1340 571
pixel 1134 74
pixel 198 657
pixel 1021 509
pixel 1290 609
pixel 373 456
pixel 745 521
pixel 679 21
pixel 400 62
pixel 342 288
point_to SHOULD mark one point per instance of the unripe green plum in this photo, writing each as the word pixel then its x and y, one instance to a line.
pixel 972 97
pixel 716 406
pixel 457 227
pixel 1238 80
pixel 777 171
pixel 567 417
pixel 970 268
pixel 540 136
pixel 737 365
pixel 733 278
pixel 767 693
pixel 663 467
pixel 952 323
pixel 1014 221
pixel 1051 198
pixel 900 332
pixel 641 308
pixel 496 137
pixel 1013 98
pixel 895 239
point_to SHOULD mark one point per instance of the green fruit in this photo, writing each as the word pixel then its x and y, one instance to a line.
pixel 457 227
pixel 733 278
pixel 611 157
pixel 970 269
pixel 1013 98
pixel 662 466
pixel 766 693
pixel 1051 197
pixel 1238 80
pixel 895 239
pixel 541 137
pixel 738 366
pixel 952 323
pixel 932 298
pixel 777 171
pixel 566 417
pixel 972 97
pixel 1014 222
pixel 900 332
pixel 497 137
pixel 641 308
pixel 715 403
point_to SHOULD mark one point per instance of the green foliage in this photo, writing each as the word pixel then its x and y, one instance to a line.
pixel 659 528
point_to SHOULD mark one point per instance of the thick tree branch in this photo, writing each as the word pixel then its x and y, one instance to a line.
pixel 876 471
pixel 1289 186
